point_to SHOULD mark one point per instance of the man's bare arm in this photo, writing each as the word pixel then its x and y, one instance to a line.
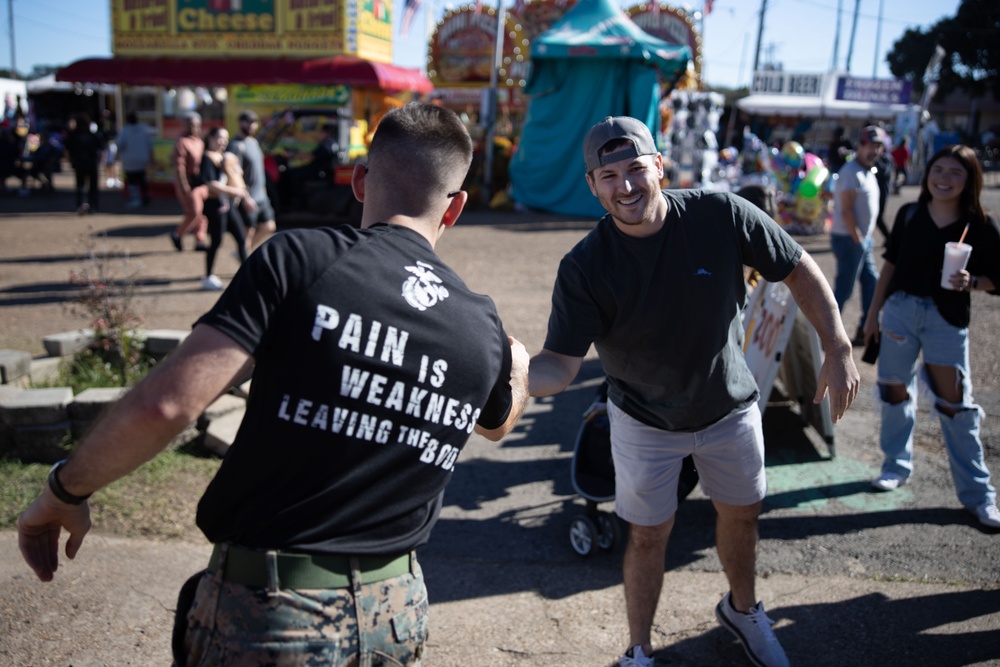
pixel 551 372
pixel 140 425
pixel 814 297
pixel 519 392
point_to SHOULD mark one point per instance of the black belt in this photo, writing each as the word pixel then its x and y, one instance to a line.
pixel 275 569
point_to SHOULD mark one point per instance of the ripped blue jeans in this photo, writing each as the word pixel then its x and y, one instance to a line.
pixel 911 325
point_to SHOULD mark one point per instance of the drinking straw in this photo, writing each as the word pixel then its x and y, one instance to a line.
pixel 964 232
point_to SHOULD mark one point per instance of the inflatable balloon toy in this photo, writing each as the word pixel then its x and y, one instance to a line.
pixel 810 204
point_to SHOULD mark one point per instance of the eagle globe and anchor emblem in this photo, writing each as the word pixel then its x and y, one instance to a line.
pixel 423 289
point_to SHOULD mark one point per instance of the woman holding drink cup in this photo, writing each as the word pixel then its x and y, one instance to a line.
pixel 923 295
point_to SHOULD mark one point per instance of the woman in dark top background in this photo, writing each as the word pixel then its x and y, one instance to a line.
pixel 224 196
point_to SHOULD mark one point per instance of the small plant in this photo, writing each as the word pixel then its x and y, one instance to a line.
pixel 107 283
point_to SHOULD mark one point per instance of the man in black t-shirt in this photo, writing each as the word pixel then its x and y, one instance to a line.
pixel 360 404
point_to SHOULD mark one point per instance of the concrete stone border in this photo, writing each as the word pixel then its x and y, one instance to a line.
pixel 41 425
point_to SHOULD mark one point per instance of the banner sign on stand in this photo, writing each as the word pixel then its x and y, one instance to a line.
pixel 780 343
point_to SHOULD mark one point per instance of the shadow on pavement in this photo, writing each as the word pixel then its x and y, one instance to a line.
pixel 873 628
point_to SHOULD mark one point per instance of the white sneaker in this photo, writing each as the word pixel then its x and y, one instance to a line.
pixel 753 630
pixel 888 481
pixel 635 657
pixel 988 514
pixel 211 283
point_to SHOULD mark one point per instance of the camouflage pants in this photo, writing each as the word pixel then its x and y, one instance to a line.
pixel 368 625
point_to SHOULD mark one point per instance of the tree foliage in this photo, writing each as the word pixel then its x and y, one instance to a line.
pixel 972 59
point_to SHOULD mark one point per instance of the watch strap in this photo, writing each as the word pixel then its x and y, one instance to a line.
pixel 59 490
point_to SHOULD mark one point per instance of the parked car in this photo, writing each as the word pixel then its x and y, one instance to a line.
pixel 309 183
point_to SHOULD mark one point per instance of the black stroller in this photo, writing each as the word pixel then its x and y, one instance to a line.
pixel 593 476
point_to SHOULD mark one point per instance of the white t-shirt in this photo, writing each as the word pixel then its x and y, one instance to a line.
pixel 861 179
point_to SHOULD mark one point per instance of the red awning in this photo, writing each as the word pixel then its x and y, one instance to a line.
pixel 343 70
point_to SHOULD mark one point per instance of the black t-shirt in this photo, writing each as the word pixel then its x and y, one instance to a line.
pixel 85 147
pixel 915 248
pixel 210 172
pixel 664 312
pixel 374 361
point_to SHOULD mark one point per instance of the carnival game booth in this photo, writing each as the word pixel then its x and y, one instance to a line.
pixel 594 62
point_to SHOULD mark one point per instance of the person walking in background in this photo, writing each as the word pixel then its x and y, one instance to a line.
pixel 85 145
pixel 657 287
pixel 856 202
pixel 186 160
pixel 111 171
pixel 839 149
pixel 221 204
pixel 135 148
pixel 884 175
pixel 314 559
pixel 922 318
pixel 259 220
pixel 9 158
pixel 901 161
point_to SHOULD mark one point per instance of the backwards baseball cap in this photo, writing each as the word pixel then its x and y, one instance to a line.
pixel 248 116
pixel 872 134
pixel 610 129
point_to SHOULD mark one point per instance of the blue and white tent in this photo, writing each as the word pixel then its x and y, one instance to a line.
pixel 592 63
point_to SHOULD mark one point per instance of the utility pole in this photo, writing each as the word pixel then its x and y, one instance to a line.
pixel 878 40
pixel 760 35
pixel 854 29
pixel 491 103
pixel 836 38
pixel 13 51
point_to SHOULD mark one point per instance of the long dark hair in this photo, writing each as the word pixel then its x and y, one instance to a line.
pixel 968 202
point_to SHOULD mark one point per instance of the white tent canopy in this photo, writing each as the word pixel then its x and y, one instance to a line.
pixel 48 84
pixel 14 89
pixel 823 104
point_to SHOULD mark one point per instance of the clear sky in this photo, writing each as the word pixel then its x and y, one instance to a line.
pixel 799 34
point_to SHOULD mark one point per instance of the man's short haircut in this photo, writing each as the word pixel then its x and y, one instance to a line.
pixel 419 153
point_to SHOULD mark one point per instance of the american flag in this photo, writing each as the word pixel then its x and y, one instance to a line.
pixel 410 8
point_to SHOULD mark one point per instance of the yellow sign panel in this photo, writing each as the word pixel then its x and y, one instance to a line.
pixel 375 30
pixel 283 28
pixel 290 95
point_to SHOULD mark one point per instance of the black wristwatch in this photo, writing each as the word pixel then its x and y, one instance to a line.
pixel 59 490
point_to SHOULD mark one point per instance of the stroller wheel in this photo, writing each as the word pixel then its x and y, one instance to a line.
pixel 608 531
pixel 582 534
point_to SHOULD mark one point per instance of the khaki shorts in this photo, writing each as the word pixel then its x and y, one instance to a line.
pixel 729 456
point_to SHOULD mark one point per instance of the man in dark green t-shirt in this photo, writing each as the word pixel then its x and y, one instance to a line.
pixel 657 287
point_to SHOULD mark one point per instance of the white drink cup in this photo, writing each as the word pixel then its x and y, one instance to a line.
pixel 956 256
